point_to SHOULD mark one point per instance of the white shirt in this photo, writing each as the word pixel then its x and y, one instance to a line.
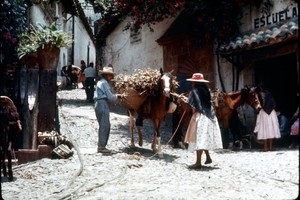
pixel 89 72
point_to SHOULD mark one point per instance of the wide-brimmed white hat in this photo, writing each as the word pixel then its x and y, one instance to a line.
pixel 197 77
pixel 107 70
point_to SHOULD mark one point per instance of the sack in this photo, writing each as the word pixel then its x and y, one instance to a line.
pixel 62 151
pixel 133 99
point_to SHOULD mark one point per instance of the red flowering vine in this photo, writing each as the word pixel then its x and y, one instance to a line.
pixel 149 11
pixel 216 19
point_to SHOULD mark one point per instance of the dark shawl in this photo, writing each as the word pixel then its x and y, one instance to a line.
pixel 267 101
pixel 200 99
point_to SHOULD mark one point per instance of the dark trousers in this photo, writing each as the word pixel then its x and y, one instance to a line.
pixel 175 122
pixel 235 127
pixel 89 88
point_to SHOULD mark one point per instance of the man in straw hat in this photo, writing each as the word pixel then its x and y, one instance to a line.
pixel 203 133
pixel 103 95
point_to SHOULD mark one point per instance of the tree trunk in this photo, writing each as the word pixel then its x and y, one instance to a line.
pixel 48 59
pixel 47 100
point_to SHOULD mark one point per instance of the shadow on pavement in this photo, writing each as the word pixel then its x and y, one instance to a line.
pixel 148 153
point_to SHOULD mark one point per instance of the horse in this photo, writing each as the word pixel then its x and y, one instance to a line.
pixel 9 127
pixel 224 104
pixel 154 107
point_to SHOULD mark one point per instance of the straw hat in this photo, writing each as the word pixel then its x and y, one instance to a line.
pixel 197 77
pixel 107 70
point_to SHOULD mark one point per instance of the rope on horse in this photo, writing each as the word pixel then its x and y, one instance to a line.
pixel 177 126
pixel 182 98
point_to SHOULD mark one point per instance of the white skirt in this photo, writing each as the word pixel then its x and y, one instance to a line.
pixel 267 126
pixel 203 133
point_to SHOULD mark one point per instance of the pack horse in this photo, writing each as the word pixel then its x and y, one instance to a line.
pixel 153 106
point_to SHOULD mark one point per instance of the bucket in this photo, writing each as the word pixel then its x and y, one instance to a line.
pixel 172 107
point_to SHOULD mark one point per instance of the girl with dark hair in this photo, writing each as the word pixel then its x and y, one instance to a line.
pixel 203 133
pixel 267 125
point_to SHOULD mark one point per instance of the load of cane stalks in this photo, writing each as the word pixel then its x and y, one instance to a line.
pixel 144 81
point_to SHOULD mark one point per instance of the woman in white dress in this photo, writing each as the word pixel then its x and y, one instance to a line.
pixel 267 125
pixel 203 133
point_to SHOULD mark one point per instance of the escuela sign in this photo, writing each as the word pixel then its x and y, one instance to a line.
pixel 275 17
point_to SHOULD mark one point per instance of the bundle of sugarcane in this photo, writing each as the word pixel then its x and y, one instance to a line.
pixel 137 86
pixel 143 81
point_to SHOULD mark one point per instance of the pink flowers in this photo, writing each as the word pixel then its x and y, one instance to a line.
pixel 149 11
pixel 8 39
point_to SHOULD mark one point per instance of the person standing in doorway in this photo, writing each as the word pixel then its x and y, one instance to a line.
pixel 82 77
pixel 267 126
pixel 103 96
pixel 203 133
pixel 294 121
pixel 89 74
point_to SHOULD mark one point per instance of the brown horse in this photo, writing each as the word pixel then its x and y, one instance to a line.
pixel 224 104
pixel 9 117
pixel 153 107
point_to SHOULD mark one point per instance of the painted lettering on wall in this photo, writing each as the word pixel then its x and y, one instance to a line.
pixel 273 18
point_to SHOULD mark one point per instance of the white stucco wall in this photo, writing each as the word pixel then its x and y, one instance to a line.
pixel 227 75
pixel 126 57
pixel 82 39
pixel 253 17
pixel 281 10
pixel 37 16
pixel 82 43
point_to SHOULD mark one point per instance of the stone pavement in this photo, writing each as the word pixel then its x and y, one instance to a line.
pixel 134 173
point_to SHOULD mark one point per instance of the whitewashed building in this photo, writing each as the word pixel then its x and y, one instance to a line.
pixel 128 50
pixel 266 52
pixel 68 16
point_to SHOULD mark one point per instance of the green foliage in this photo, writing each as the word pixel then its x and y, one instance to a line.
pixel 13 21
pixel 40 35
pixel 105 7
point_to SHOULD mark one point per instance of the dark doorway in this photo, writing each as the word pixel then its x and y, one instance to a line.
pixel 280 76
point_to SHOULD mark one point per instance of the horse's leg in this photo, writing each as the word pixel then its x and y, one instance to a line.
pixel 139 124
pixel 159 152
pixel 153 146
pixel 156 144
pixel 131 127
pixel 9 165
pixel 2 158
pixel 140 135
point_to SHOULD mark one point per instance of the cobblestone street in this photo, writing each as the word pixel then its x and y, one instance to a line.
pixel 137 174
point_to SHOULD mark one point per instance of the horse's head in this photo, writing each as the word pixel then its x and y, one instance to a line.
pixel 167 83
pixel 252 98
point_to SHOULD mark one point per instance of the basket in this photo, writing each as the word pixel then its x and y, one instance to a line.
pixel 133 99
pixel 62 151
